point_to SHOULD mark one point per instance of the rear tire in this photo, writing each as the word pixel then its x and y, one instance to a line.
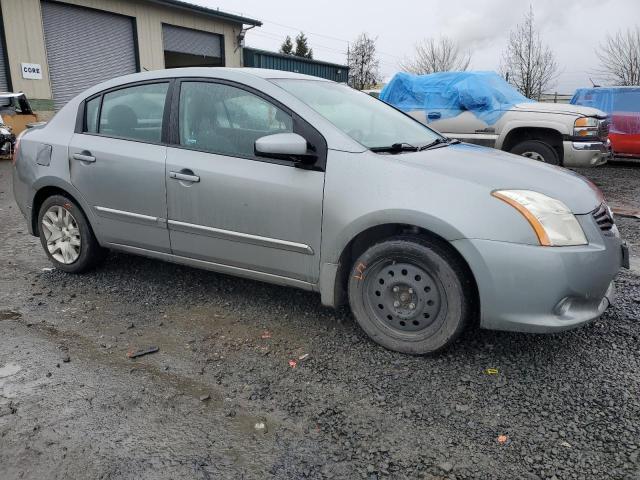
pixel 537 150
pixel 67 237
pixel 411 294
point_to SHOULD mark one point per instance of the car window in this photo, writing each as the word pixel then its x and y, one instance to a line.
pixel 228 120
pixel 367 120
pixel 134 113
pixel 91 115
pixel 626 101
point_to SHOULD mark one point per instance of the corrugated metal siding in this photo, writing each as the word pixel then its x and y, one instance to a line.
pixel 85 47
pixel 4 84
pixel 194 42
pixel 290 63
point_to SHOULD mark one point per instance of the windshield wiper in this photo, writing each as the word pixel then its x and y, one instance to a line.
pixel 439 141
pixel 396 148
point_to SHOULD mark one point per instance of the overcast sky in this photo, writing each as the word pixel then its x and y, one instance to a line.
pixel 572 28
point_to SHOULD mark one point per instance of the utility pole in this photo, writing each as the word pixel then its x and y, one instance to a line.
pixel 348 62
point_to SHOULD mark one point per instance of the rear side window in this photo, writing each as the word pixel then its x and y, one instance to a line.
pixel 91 115
pixel 133 113
pixel 223 119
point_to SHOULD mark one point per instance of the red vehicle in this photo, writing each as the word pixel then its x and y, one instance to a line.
pixel 623 104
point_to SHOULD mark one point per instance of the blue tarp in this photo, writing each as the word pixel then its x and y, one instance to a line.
pixel 609 99
pixel 485 94
pixel 622 103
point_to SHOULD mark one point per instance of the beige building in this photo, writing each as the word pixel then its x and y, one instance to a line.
pixel 53 50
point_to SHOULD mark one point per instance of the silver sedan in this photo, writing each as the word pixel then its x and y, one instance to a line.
pixel 303 182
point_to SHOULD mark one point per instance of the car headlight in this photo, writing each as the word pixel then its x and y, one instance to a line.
pixel 585 127
pixel 552 221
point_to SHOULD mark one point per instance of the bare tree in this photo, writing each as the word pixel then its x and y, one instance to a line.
pixel 437 55
pixel 620 57
pixel 527 63
pixel 363 62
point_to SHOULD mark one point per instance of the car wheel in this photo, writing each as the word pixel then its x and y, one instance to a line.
pixel 67 237
pixel 411 294
pixel 537 150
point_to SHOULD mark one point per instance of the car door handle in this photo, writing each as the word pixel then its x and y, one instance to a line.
pixel 84 158
pixel 187 177
pixel 434 115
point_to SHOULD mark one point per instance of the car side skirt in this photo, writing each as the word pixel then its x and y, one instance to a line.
pixel 216 267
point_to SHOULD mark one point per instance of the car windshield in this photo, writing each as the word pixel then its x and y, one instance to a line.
pixel 367 120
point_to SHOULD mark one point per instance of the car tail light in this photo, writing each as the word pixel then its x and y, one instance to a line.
pixel 16 147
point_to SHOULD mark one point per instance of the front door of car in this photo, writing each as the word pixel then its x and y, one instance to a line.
pixel 117 163
pixel 230 207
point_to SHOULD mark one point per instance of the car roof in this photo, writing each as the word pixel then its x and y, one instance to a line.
pixel 610 89
pixel 213 72
pixel 268 73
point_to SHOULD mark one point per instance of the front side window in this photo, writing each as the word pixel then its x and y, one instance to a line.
pixel 367 120
pixel 228 120
pixel 133 113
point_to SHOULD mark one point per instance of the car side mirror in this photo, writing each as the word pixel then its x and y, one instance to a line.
pixel 285 146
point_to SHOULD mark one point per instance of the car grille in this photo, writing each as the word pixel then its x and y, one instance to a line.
pixel 603 128
pixel 603 218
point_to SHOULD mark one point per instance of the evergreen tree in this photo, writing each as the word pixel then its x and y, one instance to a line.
pixel 302 48
pixel 287 46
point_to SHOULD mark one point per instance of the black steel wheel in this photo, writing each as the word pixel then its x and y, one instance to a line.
pixel 411 294
pixel 403 295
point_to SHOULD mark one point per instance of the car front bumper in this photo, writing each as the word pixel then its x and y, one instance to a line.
pixel 586 154
pixel 529 288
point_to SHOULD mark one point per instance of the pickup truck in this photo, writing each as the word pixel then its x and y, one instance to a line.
pixel 482 108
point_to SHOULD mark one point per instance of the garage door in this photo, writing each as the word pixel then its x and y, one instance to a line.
pixel 4 72
pixel 185 47
pixel 85 47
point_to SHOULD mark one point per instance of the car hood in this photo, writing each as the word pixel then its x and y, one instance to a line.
pixel 495 170
pixel 560 108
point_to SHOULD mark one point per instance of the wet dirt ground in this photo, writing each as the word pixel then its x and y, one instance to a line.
pixel 220 399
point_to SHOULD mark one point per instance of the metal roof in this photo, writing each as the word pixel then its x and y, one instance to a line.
pixel 208 11
pixel 295 57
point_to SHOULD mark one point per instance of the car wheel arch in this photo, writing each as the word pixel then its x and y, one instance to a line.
pixel 47 190
pixel 368 237
pixel 548 135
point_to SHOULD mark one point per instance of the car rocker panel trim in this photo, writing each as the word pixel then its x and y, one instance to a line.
pixel 242 237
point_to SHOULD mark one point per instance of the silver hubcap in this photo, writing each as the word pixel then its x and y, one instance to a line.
pixel 533 156
pixel 61 234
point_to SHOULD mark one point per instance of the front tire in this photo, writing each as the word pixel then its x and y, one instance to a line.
pixel 411 294
pixel 67 237
pixel 537 150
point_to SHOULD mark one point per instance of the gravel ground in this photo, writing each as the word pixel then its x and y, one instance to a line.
pixel 72 405
pixel 620 182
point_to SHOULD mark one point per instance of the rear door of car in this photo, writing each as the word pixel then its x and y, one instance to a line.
pixel 117 161
pixel 230 207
